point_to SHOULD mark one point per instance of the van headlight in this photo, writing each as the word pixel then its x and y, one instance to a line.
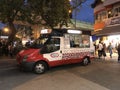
pixel 25 58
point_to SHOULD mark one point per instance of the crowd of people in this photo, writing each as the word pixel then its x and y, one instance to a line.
pixel 10 49
pixel 102 49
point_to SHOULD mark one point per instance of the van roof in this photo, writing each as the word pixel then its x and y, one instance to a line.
pixel 61 32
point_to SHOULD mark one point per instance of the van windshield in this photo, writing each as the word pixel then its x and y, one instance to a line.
pixel 38 43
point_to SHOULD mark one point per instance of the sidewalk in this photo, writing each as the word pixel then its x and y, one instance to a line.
pixel 114 57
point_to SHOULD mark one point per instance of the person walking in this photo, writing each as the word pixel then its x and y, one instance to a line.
pixel 104 50
pixel 0 48
pixel 118 49
pixel 10 49
pixel 95 46
pixel 110 49
pixel 100 48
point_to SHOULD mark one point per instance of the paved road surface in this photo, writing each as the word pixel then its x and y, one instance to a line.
pixel 99 75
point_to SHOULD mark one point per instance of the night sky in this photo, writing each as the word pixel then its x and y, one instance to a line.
pixel 86 12
pixel 2 25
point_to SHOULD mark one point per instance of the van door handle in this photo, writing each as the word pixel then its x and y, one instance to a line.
pixel 60 51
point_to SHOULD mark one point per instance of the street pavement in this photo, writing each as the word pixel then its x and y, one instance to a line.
pixel 6 61
pixel 114 57
pixel 101 74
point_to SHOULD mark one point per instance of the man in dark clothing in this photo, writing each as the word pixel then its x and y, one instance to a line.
pixel 118 49
pixel 0 48
pixel 0 44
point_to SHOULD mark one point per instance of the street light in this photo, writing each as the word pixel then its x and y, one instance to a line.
pixel 6 29
pixel 2 31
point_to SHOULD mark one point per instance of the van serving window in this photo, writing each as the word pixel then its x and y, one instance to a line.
pixel 81 41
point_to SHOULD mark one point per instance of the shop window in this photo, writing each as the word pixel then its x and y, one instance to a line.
pixel 110 14
pixel 104 15
pixel 119 9
pixel 100 16
pixel 116 11
pixel 96 17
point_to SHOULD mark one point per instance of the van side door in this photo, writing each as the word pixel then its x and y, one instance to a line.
pixel 53 52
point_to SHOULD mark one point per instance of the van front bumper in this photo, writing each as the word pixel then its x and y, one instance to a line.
pixel 27 66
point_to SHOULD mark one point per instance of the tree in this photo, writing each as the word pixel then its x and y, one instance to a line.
pixel 44 12
pixel 51 12
pixel 11 11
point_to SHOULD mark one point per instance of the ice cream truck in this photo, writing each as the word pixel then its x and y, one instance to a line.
pixel 57 47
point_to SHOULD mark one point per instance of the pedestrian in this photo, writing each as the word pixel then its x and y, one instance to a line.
pixel 110 49
pixel 104 50
pixel 4 48
pixel 0 48
pixel 72 44
pixel 118 49
pixel 100 48
pixel 10 50
pixel 28 44
pixel 95 48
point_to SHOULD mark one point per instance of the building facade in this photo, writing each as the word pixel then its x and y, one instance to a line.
pixel 107 21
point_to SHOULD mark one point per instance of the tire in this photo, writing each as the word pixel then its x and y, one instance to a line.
pixel 40 67
pixel 85 61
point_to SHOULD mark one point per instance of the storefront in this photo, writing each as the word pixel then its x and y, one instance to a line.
pixel 107 21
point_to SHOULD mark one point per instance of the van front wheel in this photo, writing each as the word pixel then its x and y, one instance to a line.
pixel 40 67
pixel 85 61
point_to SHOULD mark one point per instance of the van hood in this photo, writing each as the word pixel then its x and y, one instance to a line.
pixel 28 51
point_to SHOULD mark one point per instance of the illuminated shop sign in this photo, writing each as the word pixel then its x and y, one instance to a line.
pixel 75 31
pixel 45 31
pixel 4 37
pixel 113 21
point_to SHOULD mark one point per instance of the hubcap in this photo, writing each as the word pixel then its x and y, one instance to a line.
pixel 40 68
pixel 85 61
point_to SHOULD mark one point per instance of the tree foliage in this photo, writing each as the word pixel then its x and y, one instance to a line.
pixel 9 10
pixel 51 12
pixel 44 12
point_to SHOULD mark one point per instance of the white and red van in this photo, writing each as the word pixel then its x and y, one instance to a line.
pixel 57 47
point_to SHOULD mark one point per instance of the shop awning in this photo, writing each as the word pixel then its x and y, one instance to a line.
pixel 112 30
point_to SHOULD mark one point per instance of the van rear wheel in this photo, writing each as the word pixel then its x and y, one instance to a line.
pixel 40 67
pixel 85 61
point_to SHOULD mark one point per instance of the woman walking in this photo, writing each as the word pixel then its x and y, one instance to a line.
pixel 110 50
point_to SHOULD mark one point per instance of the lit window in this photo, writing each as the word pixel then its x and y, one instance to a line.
pixel 102 0
pixel 110 14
